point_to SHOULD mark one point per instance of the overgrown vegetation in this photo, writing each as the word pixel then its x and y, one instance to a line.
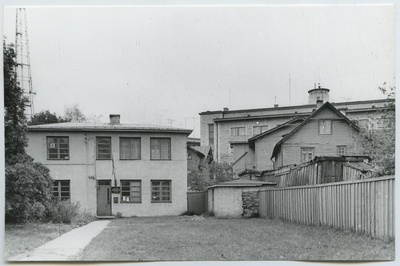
pixel 27 183
pixel 63 211
pixel 219 172
pixel 379 144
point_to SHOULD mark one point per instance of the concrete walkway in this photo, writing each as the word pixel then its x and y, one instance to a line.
pixel 66 247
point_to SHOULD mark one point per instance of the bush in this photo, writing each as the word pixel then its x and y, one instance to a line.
pixel 63 211
pixel 83 218
pixel 28 192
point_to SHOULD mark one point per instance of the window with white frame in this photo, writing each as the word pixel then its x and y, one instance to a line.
pixel 238 131
pixel 131 191
pixel 58 148
pixel 129 148
pixel 260 129
pixel 61 189
pixel 307 154
pixel 325 126
pixel 160 148
pixel 161 191
pixel 341 150
pixel 103 148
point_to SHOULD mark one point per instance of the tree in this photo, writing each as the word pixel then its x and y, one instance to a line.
pixel 14 116
pixel 219 172
pixel 379 145
pixel 45 117
pixel 197 181
pixel 74 114
pixel 27 183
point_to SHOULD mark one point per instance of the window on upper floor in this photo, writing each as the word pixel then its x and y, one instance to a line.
pixel 238 131
pixel 131 191
pixel 260 129
pixel 307 154
pixel 129 148
pixel 58 148
pixel 103 148
pixel 341 150
pixel 161 191
pixel 211 134
pixel 160 148
pixel 325 126
pixel 61 189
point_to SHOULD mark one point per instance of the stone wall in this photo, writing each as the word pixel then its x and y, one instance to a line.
pixel 250 203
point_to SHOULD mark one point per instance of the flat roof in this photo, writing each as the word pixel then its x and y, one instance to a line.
pixel 294 107
pixel 318 89
pixel 244 183
pixel 106 127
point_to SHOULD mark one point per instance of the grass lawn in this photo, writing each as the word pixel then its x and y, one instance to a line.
pixel 185 238
pixel 20 238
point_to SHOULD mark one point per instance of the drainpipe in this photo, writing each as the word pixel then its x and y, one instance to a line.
pixel 216 143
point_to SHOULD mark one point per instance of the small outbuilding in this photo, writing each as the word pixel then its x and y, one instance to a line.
pixel 237 198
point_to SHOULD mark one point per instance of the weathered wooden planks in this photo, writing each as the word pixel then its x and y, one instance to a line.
pixel 365 206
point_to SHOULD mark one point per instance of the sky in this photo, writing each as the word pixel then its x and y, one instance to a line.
pixel 163 65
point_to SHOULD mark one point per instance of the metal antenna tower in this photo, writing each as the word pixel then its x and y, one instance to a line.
pixel 23 66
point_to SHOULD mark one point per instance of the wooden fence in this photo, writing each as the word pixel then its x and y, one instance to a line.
pixel 320 170
pixel 365 206
pixel 197 202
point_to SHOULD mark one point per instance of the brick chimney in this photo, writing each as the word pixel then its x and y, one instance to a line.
pixel 114 119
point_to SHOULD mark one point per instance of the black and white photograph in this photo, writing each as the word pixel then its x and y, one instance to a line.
pixel 199 133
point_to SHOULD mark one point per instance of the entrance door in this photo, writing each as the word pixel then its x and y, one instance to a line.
pixel 104 198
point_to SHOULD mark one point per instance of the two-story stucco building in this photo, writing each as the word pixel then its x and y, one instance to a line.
pixel 110 168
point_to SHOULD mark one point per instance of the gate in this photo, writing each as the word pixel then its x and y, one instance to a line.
pixel 197 202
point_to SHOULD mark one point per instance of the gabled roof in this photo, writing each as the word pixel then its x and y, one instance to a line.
pixel 291 133
pixel 201 150
pixel 106 127
pixel 288 123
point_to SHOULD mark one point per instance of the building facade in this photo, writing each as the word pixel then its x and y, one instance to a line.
pixel 110 168
pixel 326 132
pixel 228 128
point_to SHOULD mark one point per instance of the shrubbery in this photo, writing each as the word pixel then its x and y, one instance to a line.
pixel 28 194
pixel 219 172
pixel 63 211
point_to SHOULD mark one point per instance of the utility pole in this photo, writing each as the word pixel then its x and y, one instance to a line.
pixel 23 66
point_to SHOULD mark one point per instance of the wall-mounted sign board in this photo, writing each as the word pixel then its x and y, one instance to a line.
pixel 116 190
